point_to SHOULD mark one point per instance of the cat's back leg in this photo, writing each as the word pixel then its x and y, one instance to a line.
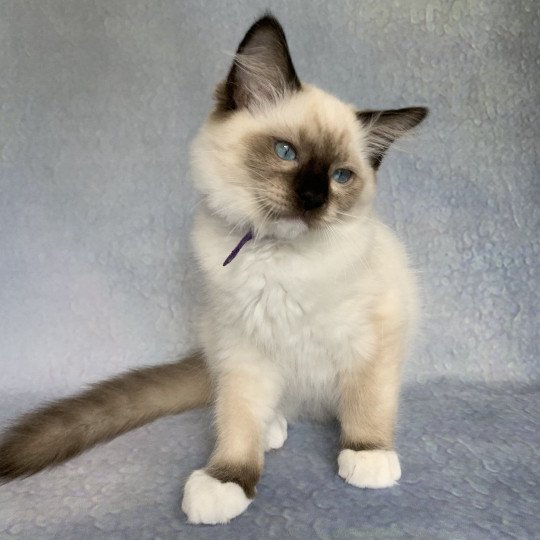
pixel 276 432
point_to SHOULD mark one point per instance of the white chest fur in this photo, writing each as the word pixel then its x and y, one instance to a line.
pixel 306 306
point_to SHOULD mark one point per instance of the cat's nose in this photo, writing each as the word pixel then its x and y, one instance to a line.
pixel 311 199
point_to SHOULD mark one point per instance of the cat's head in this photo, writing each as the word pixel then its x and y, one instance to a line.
pixel 280 156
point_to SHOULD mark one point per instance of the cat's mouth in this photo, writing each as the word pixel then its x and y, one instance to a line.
pixel 285 223
pixel 279 217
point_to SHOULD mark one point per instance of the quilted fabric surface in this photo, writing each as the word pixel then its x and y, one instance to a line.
pixel 99 101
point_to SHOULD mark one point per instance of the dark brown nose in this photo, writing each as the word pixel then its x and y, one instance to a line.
pixel 311 185
pixel 311 199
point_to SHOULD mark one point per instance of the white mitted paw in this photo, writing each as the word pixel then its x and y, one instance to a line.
pixel 276 433
pixel 209 501
pixel 369 468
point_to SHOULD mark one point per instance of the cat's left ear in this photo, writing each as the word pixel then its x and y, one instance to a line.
pixel 262 70
pixel 384 127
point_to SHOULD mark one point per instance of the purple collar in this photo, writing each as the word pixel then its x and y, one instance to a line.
pixel 246 238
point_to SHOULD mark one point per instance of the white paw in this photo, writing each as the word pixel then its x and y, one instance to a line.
pixel 209 501
pixel 369 468
pixel 276 433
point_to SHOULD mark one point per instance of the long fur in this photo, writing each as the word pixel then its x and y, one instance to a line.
pixel 64 428
pixel 313 316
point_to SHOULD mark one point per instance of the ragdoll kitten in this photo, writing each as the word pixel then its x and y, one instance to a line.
pixel 309 299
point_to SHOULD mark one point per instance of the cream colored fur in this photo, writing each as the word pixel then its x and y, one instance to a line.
pixel 312 317
pixel 219 150
pixel 310 321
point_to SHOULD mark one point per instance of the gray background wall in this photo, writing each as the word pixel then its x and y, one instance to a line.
pixel 100 99
pixel 98 102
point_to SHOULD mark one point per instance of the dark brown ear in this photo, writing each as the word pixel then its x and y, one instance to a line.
pixel 262 69
pixel 384 127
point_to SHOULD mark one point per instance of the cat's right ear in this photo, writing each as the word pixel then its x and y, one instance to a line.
pixel 262 70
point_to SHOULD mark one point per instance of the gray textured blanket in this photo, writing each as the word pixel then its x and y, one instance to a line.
pixel 98 102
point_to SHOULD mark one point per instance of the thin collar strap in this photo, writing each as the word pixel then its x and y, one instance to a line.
pixel 246 238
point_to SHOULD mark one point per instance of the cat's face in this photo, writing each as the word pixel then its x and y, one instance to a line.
pixel 281 157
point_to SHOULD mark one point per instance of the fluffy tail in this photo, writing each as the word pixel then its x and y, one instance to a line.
pixel 64 428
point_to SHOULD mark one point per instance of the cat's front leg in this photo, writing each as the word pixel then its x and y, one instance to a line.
pixel 245 403
pixel 367 411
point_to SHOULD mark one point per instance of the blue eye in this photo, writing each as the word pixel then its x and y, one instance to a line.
pixel 341 176
pixel 285 151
